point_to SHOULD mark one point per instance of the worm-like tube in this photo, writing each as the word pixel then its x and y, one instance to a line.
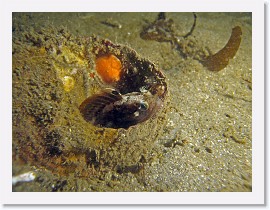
pixel 221 59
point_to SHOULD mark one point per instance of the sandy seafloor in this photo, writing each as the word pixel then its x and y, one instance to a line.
pixel 204 140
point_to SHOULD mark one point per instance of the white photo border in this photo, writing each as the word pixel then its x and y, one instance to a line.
pixel 257 196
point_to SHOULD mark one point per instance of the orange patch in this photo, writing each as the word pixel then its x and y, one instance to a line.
pixel 92 75
pixel 109 68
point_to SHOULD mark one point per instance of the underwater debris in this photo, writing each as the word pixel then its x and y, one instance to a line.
pixel 25 177
pixel 193 26
pixel 134 88
pixel 221 59
pixel 109 22
pixel 162 30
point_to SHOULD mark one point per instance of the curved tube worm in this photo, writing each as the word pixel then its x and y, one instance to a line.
pixel 221 59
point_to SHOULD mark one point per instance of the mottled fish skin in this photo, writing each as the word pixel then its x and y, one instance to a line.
pixel 130 110
pixel 113 110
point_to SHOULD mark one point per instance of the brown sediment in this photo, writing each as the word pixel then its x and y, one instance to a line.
pixel 221 59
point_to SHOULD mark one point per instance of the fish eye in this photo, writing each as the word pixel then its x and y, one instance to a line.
pixel 114 92
pixel 144 106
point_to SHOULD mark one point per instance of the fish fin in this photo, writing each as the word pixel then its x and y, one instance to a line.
pixel 93 105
